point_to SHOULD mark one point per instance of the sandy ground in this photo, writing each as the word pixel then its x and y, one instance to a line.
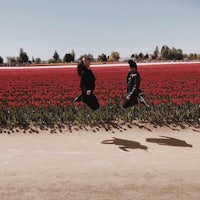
pixel 136 163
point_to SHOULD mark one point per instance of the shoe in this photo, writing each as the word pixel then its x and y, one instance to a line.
pixel 78 99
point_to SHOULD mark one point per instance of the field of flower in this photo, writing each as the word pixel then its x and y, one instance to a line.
pixel 44 96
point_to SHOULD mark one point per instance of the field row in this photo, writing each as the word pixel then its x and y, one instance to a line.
pixel 165 85
pixel 51 87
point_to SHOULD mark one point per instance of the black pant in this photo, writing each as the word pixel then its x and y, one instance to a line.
pixel 91 101
pixel 130 102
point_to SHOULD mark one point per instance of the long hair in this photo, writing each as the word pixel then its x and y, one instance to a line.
pixel 81 65
pixel 80 68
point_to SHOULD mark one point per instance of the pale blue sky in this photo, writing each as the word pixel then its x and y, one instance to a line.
pixel 95 26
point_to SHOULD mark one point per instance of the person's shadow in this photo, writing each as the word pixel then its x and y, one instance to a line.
pixel 125 144
pixel 169 141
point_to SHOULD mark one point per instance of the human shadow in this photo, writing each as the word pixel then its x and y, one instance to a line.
pixel 125 144
pixel 169 141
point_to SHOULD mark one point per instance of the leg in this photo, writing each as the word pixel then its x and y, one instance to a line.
pixel 128 103
pixel 91 101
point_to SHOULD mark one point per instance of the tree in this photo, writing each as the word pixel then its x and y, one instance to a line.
pixel 1 60
pixel 73 55
pixel 89 56
pixel 146 57
pixel 102 58
pixel 114 56
pixel 171 54
pixel 11 61
pixel 156 53
pixel 165 53
pixel 177 54
pixel 56 56
pixel 23 58
pixel 134 56
pixel 140 56
pixel 68 58
pixel 38 60
pixel 193 56
pixel 33 60
pixel 52 60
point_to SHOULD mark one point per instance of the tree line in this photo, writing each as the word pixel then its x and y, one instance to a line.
pixel 165 54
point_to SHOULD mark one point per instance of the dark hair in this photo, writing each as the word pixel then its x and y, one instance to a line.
pixel 132 63
pixel 80 68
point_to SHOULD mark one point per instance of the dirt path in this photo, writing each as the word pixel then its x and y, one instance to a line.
pixel 137 164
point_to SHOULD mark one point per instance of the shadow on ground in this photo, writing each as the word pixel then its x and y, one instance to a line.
pixel 169 141
pixel 125 144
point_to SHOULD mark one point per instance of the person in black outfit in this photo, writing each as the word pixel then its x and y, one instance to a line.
pixel 87 85
pixel 133 85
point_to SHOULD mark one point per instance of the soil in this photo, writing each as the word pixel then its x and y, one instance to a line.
pixel 138 162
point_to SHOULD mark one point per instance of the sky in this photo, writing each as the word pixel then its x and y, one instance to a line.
pixel 41 27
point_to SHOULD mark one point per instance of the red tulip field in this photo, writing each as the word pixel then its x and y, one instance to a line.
pixel 44 96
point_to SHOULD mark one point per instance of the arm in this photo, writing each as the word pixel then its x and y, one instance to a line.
pixel 135 86
pixel 127 77
pixel 84 84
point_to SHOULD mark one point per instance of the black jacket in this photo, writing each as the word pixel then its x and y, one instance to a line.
pixel 133 84
pixel 87 81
